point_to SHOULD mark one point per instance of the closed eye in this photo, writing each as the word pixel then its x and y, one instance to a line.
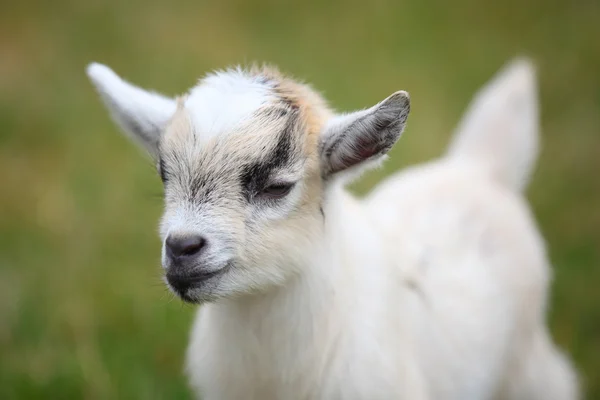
pixel 162 171
pixel 276 191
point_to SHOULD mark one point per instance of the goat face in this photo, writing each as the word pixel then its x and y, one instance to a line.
pixel 239 203
pixel 245 158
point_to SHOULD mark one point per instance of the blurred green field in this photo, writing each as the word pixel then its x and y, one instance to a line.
pixel 83 313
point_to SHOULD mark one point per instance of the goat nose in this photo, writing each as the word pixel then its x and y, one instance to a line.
pixel 184 246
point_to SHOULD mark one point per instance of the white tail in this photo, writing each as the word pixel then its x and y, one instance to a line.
pixel 500 128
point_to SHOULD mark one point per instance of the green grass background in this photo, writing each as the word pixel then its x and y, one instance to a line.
pixel 83 313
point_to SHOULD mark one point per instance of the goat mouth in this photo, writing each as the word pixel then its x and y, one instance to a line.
pixel 183 284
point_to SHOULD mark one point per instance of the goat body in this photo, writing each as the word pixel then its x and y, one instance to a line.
pixel 434 286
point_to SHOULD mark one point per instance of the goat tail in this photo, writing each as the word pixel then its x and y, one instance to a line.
pixel 499 131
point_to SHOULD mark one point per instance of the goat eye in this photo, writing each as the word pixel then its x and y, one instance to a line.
pixel 277 191
pixel 161 170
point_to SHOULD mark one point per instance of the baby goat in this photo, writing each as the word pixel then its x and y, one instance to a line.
pixel 433 287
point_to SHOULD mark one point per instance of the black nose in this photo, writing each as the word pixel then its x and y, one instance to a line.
pixel 185 246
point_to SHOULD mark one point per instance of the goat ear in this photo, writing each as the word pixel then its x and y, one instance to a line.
pixel 350 140
pixel 141 114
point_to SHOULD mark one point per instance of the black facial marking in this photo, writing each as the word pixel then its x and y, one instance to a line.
pixel 256 176
pixel 277 112
pixel 201 187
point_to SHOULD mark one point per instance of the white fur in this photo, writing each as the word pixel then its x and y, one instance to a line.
pixel 223 100
pixel 506 110
pixel 141 114
pixel 219 103
pixel 433 287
